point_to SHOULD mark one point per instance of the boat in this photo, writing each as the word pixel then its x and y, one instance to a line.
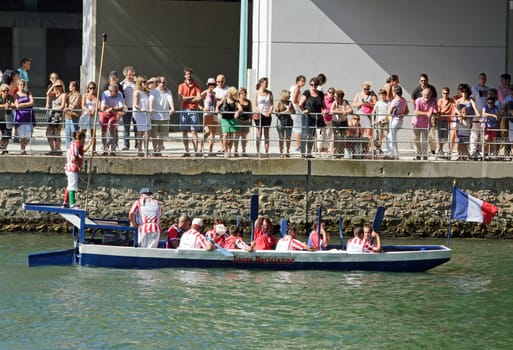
pixel 110 243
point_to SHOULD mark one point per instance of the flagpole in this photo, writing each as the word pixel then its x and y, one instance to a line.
pixel 450 215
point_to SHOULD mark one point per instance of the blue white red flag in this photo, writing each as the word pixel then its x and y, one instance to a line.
pixel 468 208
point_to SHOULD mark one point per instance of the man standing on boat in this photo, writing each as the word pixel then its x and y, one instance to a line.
pixel 146 213
pixel 193 238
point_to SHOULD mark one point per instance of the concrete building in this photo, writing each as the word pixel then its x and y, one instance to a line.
pixel 350 41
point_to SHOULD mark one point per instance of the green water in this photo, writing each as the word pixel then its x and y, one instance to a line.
pixel 465 304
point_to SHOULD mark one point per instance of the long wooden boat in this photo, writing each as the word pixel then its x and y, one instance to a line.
pixel 114 247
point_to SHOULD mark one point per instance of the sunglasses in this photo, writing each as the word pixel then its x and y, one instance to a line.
pixel 90 87
pixel 5 90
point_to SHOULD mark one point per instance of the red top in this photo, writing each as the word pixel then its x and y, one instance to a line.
pixel 187 90
pixel 264 242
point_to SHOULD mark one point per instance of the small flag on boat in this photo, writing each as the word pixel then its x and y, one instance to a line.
pixel 468 208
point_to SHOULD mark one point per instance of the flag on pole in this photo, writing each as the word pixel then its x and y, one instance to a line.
pixel 468 208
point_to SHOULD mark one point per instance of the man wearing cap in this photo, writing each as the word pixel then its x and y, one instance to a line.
pixel 146 213
pixel 193 238
pixel 218 234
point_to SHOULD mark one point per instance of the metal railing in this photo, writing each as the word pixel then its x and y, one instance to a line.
pixel 333 141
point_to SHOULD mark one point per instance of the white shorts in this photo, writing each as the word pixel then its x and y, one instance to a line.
pixel 148 240
pixel 72 180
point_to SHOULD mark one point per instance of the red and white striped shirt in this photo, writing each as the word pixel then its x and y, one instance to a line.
pixel 288 243
pixel 234 242
pixel 193 239
pixel 148 212
pixel 74 156
pixel 358 245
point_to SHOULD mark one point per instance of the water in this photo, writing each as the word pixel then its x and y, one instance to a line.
pixel 465 304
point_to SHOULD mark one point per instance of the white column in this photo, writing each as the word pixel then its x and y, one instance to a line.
pixel 88 67
pixel 262 19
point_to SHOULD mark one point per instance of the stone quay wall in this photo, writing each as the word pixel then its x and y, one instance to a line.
pixel 417 195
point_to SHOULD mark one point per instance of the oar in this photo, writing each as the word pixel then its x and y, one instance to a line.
pixel 319 217
pixel 340 231
pixel 283 227
pixel 237 225
pixel 221 250
pixel 253 213
pixel 378 220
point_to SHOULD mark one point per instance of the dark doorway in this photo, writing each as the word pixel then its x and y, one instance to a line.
pixel 64 53
pixel 6 49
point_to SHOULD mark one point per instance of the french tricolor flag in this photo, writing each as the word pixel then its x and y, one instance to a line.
pixel 468 208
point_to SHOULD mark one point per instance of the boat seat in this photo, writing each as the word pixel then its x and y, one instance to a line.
pixel 75 220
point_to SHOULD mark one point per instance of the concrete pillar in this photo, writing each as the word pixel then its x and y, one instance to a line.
pixel 262 20
pixel 88 69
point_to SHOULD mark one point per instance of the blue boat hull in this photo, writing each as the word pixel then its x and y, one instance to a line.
pixel 415 260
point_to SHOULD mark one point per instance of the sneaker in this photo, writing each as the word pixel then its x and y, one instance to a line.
pixel 125 148
pixel 74 206
pixel 65 205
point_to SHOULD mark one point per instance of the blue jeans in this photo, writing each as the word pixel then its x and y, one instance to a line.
pixel 71 125
pixel 392 147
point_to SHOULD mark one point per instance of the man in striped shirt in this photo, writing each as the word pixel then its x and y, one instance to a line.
pixel 146 213
pixel 289 242
pixel 360 243
pixel 193 238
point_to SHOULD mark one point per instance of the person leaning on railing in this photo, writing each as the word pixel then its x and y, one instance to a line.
pixel 6 117
pixel 112 106
pixel 244 122
pixel 311 104
pixel 24 120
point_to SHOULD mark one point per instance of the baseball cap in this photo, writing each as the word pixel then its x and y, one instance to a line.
pixel 220 229
pixel 197 221
pixel 211 81
pixel 145 190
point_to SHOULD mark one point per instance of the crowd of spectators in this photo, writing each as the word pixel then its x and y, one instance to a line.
pixel 312 121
